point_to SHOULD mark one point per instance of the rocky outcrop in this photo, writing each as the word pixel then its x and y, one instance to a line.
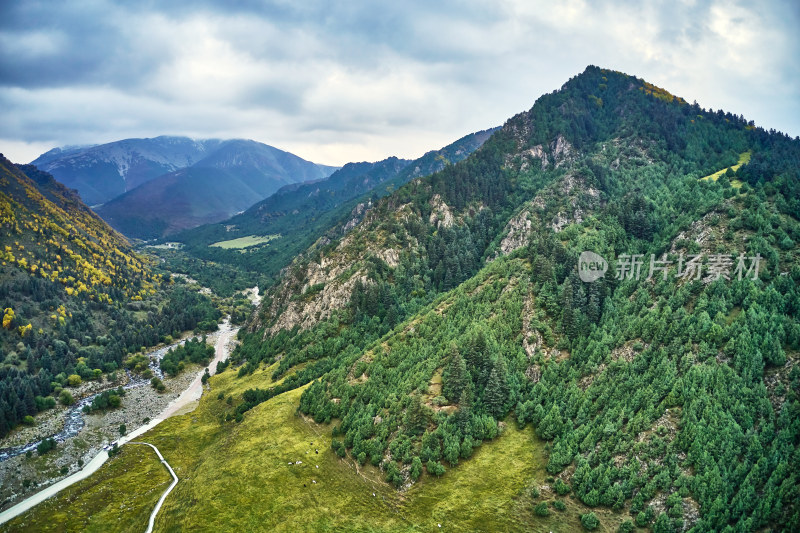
pixel 704 232
pixel 532 154
pixel 555 154
pixel 305 314
pixel 518 232
pixel 579 196
pixel 356 216
pixel 561 150
pixel 558 153
pixel 441 216
pixel 312 290
pixel 572 196
pixel 390 256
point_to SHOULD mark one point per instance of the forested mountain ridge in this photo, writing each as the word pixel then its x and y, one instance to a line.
pixel 57 238
pixel 671 400
pixel 75 297
pixel 298 215
pixel 525 169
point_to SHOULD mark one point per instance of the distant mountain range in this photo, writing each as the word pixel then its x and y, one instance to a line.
pixel 102 172
pixel 148 188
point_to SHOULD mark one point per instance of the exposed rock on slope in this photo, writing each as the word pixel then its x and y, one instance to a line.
pixel 568 201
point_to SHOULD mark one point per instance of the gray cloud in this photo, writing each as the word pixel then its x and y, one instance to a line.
pixel 344 81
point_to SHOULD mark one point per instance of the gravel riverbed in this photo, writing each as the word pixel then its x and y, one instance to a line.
pixel 22 476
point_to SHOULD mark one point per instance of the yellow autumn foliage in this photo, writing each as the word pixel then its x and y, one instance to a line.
pixel 8 317
pixel 63 241
pixel 23 330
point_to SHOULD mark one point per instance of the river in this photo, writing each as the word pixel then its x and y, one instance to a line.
pixel 189 396
pixel 73 418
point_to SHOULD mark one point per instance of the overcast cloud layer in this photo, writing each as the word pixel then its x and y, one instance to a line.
pixel 348 81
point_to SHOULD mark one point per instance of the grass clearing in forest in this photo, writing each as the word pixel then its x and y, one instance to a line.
pixel 244 242
pixel 744 158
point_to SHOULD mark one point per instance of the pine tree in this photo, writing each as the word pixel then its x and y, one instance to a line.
pixel 463 415
pixel 551 425
pixel 478 360
pixel 415 419
pixel 573 302
pixel 567 316
pixel 593 306
pixel 29 401
pixel 452 449
pixel 497 390
pixel 416 468
pixel 455 376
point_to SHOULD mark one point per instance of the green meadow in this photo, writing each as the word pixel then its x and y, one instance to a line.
pixel 244 242
pixel 118 497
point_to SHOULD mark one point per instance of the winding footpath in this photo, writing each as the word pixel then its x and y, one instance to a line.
pixel 188 396
pixel 166 492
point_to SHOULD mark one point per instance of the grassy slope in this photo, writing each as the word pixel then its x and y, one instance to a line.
pixel 104 501
pixel 744 158
pixel 236 477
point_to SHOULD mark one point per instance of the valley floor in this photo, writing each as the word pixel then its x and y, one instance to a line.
pixel 237 477
pixel 139 405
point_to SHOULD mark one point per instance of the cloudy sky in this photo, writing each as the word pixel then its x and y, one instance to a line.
pixel 361 80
